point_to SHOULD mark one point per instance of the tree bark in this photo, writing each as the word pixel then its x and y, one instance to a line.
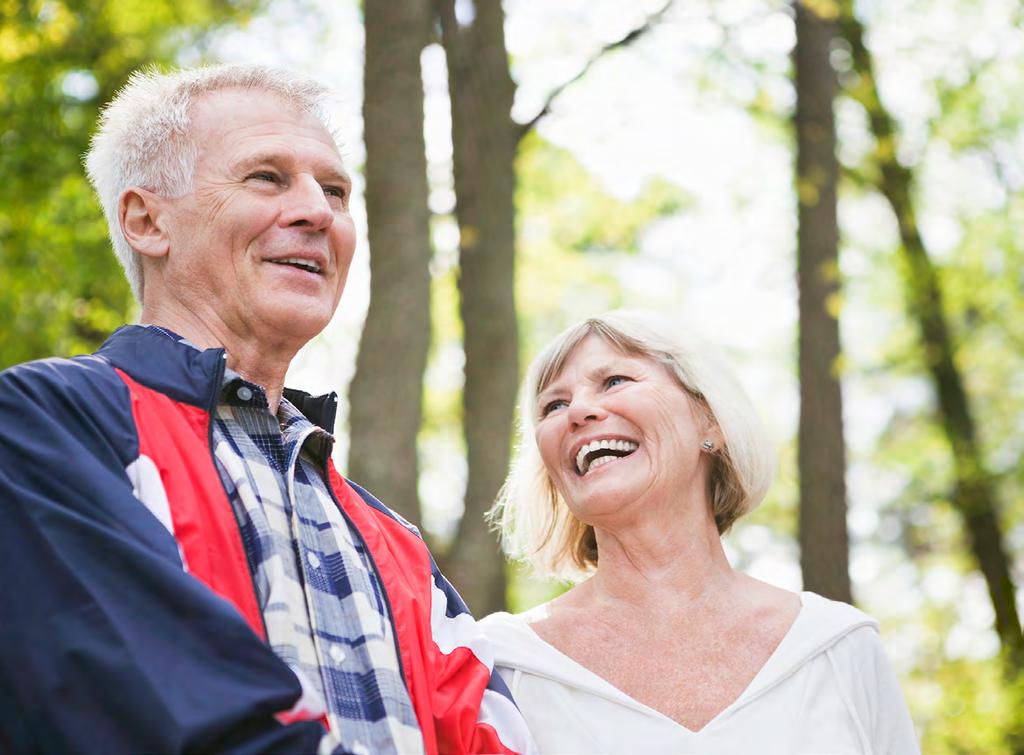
pixel 386 391
pixel 484 138
pixel 824 542
pixel 974 493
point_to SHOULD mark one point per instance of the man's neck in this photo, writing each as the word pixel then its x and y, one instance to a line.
pixel 260 360
pixel 262 369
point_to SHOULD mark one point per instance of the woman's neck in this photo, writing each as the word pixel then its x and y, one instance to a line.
pixel 656 566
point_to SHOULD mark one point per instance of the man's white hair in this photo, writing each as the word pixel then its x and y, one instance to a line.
pixel 145 135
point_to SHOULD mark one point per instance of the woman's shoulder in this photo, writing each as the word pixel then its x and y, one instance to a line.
pixel 834 615
pixel 511 636
pixel 519 649
pixel 503 621
pixel 862 668
pixel 849 636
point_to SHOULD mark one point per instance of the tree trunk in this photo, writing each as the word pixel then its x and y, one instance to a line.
pixel 484 138
pixel 824 543
pixel 974 494
pixel 386 391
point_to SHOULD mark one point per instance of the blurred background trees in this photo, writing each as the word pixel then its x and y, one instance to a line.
pixel 831 191
pixel 821 448
pixel 62 290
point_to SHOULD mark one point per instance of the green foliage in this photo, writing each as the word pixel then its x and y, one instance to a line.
pixel 526 591
pixel 983 282
pixel 970 200
pixel 966 707
pixel 572 234
pixel 61 289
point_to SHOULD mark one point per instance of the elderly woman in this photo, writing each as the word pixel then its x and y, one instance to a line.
pixel 639 451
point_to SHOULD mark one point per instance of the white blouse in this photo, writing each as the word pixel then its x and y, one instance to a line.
pixel 827 688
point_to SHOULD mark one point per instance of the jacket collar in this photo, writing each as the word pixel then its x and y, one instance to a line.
pixel 158 360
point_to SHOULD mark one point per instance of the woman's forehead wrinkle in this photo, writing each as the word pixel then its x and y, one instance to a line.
pixel 594 374
pixel 551 390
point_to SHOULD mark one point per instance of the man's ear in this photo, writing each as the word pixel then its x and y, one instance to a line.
pixel 140 212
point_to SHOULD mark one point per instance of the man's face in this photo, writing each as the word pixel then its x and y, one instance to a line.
pixel 260 248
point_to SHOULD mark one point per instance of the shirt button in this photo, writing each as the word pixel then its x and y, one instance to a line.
pixel 337 653
pixel 244 393
pixel 314 561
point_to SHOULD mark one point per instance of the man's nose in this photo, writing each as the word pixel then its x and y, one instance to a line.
pixel 305 205
pixel 584 408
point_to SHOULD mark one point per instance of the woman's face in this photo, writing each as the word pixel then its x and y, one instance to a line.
pixel 614 429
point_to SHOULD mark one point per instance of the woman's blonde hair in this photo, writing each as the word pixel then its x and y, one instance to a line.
pixel 535 523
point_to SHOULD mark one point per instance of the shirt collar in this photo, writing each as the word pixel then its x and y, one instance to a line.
pixel 234 389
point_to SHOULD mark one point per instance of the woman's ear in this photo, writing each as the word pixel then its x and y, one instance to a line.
pixel 140 212
pixel 711 435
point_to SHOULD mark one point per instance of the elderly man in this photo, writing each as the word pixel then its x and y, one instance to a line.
pixel 183 567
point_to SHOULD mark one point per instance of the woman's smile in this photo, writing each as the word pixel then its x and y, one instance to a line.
pixel 620 418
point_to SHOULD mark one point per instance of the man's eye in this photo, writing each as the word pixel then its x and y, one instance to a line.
pixel 335 191
pixel 615 380
pixel 264 175
pixel 552 406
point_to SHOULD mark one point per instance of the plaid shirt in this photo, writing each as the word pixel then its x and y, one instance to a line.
pixel 325 610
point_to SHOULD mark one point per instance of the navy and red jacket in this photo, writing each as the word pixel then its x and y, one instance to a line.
pixel 108 643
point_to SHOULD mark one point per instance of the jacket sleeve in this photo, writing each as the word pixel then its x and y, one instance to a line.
pixel 106 643
pixel 461 702
pixel 465 666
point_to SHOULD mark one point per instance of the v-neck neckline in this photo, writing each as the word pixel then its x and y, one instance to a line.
pixel 616 693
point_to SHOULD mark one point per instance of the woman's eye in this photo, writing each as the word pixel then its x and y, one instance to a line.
pixel 615 380
pixel 552 406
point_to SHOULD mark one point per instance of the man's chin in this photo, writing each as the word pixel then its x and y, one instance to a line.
pixel 298 322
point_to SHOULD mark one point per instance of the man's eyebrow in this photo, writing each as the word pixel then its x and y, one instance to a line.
pixel 335 175
pixel 261 158
pixel 330 173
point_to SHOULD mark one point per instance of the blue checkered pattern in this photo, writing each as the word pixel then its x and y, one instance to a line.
pixel 322 602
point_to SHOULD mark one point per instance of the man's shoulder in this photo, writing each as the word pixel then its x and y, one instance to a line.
pixel 370 500
pixel 59 376
pixel 83 392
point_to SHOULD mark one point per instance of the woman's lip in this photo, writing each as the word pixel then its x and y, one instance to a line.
pixel 581 442
pixel 614 459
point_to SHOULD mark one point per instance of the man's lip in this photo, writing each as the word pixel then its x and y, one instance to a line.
pixel 315 259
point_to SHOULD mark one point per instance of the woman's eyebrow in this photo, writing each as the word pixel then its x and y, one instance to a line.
pixel 547 393
pixel 593 375
pixel 615 364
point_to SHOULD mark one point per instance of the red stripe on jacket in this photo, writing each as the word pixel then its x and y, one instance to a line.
pixel 445 690
pixel 175 436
